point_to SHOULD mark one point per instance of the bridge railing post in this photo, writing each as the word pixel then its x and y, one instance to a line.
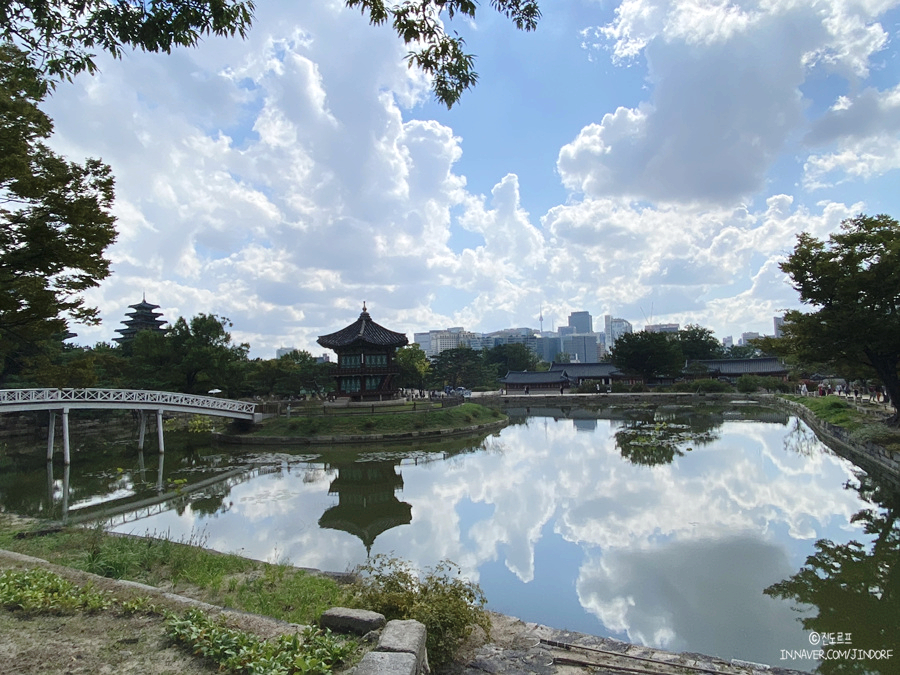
pixel 159 431
pixel 51 435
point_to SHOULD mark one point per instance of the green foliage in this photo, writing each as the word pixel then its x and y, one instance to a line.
pixel 448 605
pixel 706 386
pixel 61 35
pixel 650 355
pixel 38 590
pixel 852 283
pixel 515 357
pixel 200 424
pixel 461 367
pixel 748 384
pixel 55 222
pixel 414 366
pixel 698 343
pixel 443 57
pixel 314 651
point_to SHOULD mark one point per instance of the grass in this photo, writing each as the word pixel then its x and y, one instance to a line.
pixel 404 421
pixel 278 591
pixel 862 426
pixel 445 602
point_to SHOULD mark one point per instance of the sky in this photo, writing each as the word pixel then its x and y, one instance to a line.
pixel 646 159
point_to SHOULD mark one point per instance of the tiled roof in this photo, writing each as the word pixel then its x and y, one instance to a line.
pixel 758 366
pixel 586 370
pixel 363 331
pixel 534 377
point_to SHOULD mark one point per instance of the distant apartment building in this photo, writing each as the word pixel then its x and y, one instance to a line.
pixel 662 328
pixel 779 322
pixel 746 337
pixel 548 348
pixel 727 342
pixel 284 351
pixel 581 322
pixel 614 329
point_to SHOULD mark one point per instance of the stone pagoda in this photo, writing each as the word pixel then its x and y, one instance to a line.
pixel 366 367
pixel 144 317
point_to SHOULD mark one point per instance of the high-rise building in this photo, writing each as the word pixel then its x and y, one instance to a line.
pixel 727 342
pixel 581 348
pixel 615 328
pixel 779 322
pixel 581 322
pixel 746 337
pixel 284 351
pixel 661 328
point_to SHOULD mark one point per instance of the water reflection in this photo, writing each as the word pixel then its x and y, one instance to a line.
pixel 366 504
pixel 596 521
pixel 854 588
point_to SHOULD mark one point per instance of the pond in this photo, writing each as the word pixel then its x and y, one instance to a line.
pixel 661 527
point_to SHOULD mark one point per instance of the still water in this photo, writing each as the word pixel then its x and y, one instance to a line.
pixel 661 528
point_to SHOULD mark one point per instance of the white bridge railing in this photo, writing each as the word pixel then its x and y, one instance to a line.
pixel 22 399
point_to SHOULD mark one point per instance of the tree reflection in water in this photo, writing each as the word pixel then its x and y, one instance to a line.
pixel 855 587
pixel 659 440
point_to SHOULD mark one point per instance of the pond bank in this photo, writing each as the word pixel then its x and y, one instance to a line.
pixel 516 646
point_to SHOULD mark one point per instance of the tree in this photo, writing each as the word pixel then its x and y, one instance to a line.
pixel 62 35
pixel 853 281
pixel 414 366
pixel 511 357
pixel 204 356
pixel 697 343
pixel 650 355
pixel 462 366
pixel 55 217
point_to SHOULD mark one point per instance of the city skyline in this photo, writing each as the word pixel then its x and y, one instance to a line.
pixel 646 159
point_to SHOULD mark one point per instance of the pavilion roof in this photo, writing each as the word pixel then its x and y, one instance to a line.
pixel 363 331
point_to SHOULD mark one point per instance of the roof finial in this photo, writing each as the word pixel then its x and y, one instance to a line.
pixel 364 305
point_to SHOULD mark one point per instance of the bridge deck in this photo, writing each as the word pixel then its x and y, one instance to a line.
pixel 13 400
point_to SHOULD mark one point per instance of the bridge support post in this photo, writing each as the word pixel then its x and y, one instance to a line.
pixel 65 426
pixel 159 431
pixel 51 435
pixel 143 429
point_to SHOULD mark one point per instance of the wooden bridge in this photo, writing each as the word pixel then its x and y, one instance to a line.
pixel 64 400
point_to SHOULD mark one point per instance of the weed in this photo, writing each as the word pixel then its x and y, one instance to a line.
pixel 38 590
pixel 314 651
pixel 448 605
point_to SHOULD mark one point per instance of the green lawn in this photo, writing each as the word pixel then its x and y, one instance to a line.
pixel 400 420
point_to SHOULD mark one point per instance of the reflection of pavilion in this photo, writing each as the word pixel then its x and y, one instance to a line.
pixel 366 505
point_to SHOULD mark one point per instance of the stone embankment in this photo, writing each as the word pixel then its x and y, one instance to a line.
pixel 868 456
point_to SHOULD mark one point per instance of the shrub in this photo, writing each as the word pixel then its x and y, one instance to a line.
pixel 446 604
pixel 706 385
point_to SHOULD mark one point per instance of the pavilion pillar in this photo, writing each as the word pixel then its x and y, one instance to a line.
pixel 51 435
pixel 65 430
pixel 159 431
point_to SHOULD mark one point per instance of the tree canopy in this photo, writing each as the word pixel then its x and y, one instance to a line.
pixel 56 221
pixel 852 281
pixel 650 355
pixel 63 36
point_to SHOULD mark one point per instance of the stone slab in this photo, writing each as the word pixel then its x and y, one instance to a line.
pixel 386 663
pixel 346 620
pixel 406 637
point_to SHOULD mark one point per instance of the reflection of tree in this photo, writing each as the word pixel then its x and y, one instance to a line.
pixel 856 590
pixel 802 440
pixel 652 443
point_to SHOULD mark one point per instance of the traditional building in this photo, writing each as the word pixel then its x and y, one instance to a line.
pixel 366 368
pixel 142 318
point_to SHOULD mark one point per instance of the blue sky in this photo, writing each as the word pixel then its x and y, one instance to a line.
pixel 651 160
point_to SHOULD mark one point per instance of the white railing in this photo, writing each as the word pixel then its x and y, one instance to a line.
pixel 163 399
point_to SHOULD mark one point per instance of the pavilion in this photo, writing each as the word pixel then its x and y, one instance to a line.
pixel 366 369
